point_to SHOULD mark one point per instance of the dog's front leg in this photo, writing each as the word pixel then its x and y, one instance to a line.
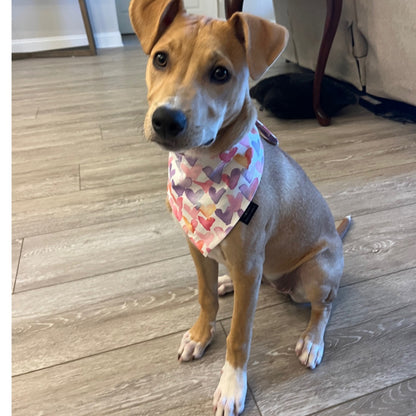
pixel 229 397
pixel 196 340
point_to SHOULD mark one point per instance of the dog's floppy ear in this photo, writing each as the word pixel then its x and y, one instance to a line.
pixel 263 40
pixel 150 18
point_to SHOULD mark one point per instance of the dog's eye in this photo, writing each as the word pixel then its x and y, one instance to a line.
pixel 160 60
pixel 220 75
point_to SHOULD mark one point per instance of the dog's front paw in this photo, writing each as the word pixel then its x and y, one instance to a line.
pixel 309 352
pixel 192 347
pixel 230 396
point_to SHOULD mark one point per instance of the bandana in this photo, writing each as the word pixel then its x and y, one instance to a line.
pixel 209 194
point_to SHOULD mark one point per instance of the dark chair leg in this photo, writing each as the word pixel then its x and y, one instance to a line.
pixel 232 6
pixel 333 14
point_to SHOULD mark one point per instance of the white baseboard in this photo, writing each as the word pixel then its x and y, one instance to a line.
pixel 48 43
pixel 108 40
pixel 102 40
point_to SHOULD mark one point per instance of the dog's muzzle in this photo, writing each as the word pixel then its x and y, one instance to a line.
pixel 168 123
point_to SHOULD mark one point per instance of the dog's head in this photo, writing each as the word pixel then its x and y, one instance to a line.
pixel 198 69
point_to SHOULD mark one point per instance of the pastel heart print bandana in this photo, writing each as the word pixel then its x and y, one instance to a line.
pixel 209 194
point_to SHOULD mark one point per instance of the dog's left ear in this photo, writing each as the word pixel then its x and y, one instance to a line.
pixel 150 18
pixel 263 40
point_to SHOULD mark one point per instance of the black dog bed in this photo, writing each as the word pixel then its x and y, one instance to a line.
pixel 290 95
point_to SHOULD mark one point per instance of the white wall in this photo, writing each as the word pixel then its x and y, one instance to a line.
pixel 103 17
pixel 54 24
pixel 262 8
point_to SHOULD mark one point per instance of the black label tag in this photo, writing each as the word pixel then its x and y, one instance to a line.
pixel 248 213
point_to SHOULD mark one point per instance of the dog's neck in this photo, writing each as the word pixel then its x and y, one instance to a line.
pixel 236 128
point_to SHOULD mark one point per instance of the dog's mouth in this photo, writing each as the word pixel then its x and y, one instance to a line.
pixel 170 145
pixel 177 144
pixel 208 143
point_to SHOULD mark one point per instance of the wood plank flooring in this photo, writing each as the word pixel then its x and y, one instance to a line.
pixel 103 285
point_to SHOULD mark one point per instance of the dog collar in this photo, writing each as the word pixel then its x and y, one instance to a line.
pixel 209 194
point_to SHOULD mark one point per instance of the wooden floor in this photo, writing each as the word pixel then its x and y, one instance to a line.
pixel 103 286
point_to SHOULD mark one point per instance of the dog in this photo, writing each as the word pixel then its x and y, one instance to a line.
pixel 240 200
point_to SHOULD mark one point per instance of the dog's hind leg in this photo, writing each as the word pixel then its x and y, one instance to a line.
pixel 225 285
pixel 196 340
pixel 310 346
pixel 317 283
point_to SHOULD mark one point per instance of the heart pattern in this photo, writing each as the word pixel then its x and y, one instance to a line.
pixel 214 174
pixel 225 216
pixel 216 195
pixel 206 222
pixel 191 172
pixel 208 210
pixel 249 190
pixel 181 186
pixel 194 197
pixel 209 193
pixel 228 155
pixel 231 180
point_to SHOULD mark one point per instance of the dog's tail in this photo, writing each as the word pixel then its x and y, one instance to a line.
pixel 343 226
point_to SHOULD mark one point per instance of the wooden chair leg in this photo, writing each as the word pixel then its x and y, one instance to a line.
pixel 333 13
pixel 232 6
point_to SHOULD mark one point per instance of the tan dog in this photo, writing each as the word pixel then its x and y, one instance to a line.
pixel 199 106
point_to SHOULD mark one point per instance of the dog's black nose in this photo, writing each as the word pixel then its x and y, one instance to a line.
pixel 168 122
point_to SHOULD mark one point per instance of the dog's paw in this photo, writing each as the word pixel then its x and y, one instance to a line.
pixel 230 396
pixel 190 349
pixel 309 352
pixel 225 285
